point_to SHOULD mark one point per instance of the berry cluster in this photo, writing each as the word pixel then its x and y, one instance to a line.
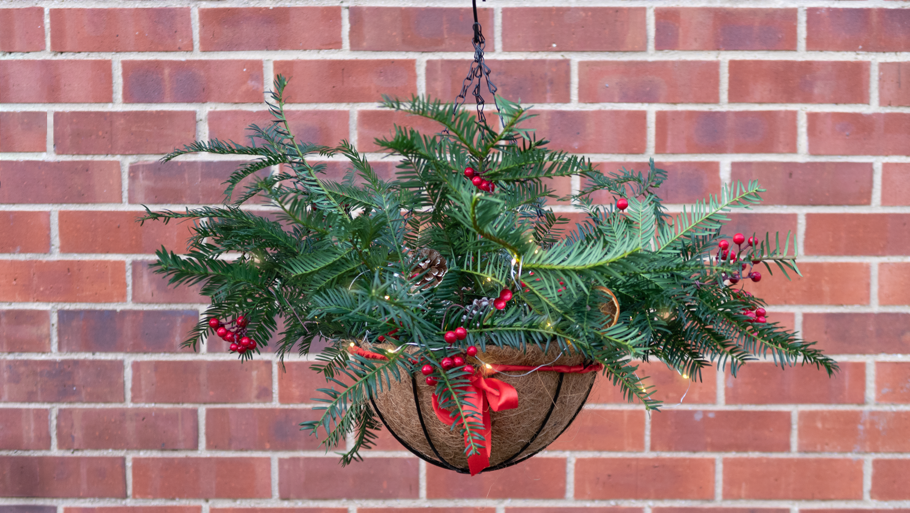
pixel 479 181
pixel 235 333
pixel 758 315
pixel 504 297
pixel 724 254
pixel 454 361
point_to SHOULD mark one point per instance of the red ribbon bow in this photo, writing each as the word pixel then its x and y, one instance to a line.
pixel 485 394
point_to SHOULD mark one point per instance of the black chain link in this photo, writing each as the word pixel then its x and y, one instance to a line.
pixel 480 71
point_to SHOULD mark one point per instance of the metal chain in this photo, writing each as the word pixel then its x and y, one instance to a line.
pixel 480 71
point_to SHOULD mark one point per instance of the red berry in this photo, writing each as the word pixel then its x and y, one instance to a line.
pixel 245 341
pixel 252 345
pixel 431 381
pixel 752 241
pixel 461 333
pixel 733 257
pixel 724 254
pixel 450 337
pixel 756 262
pixel 622 203
pixel 505 295
pixel 242 321
pixel 739 238
pixel 760 312
pixel 499 304
pixel 723 244
pixel 380 338
pixel 472 351
pixel 447 363
pixel 241 350
pixel 229 337
pixel 458 361
pixel 761 320
pixel 469 172
pixel 477 181
pixel 427 370
pixel 221 332
pixel 469 369
pixel 492 187
pixel 756 276
pixel 733 280
pixel 214 323
pixel 234 347
pixel 485 185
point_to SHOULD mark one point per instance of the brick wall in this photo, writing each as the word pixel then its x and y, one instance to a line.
pixel 103 413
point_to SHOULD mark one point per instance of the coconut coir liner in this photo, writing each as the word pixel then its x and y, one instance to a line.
pixel 511 429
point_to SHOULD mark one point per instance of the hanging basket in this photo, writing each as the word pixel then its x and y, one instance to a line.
pixel 548 401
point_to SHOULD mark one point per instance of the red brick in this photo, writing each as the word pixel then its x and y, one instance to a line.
pixel 892 382
pixel 854 431
pixel 326 127
pixel 190 182
pixel 720 28
pixel 609 131
pixel 135 509
pixel 324 478
pixel 648 82
pixel 55 81
pixel 64 381
pixel 644 478
pixel 127 428
pixel 626 427
pixel 536 478
pixel 196 81
pixel 25 232
pixel 896 184
pixel 809 183
pixel 460 509
pixel 23 131
pixel 22 30
pixel 894 284
pixel 298 383
pixel 766 383
pixel 859 333
pixel 25 331
pixel 727 510
pixel 126 133
pixel 341 81
pixel 669 386
pixel 689 131
pixel 863 510
pixel 149 287
pixel 587 509
pixel 259 429
pixel 372 124
pixel 201 478
pixel 84 231
pixel 793 478
pixel 281 510
pixel 71 281
pixel 124 331
pixel 858 30
pixel 29 509
pixel 425 29
pixel 891 79
pixel 574 29
pixel 687 182
pixel 860 234
pixel 75 181
pixel 720 431
pixel 121 30
pixel 799 82
pixel 269 28
pixel 62 476
pixel 853 133
pixel 202 382
pixel 525 80
pixel 24 429
pixel 821 283
pixel 889 480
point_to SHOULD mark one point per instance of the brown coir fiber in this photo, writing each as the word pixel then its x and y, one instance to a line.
pixel 512 429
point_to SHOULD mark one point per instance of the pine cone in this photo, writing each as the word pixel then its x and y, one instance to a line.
pixel 430 268
pixel 480 306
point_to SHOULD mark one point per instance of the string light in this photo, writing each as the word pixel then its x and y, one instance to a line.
pixel 685 376
pixel 387 297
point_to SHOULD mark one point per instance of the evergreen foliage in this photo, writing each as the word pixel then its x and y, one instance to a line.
pixel 336 259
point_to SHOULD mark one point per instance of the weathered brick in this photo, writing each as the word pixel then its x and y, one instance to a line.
pixel 424 29
pixel 764 81
pixel 610 131
pixel 25 331
pixel 373 124
pixel 894 283
pixel 201 382
pixel 536 478
pixel 149 287
pixel 29 508
pixel 767 383
pixel 187 183
pixel 259 429
pixel 56 81
pixel 527 80
pixel 627 432
pixel 854 133
pixel 793 478
pixel 721 28
pixel 124 331
pixel 326 127
pixel 857 30
pixel 688 131
pixel 24 429
pixel 324 478
pixel 859 333
pixel 723 510
pixel 298 383
pixel 352 80
pixel 75 181
pixel 71 281
pixel 86 231
pixel 587 509
pixel 809 183
pixel 23 131
pixel 854 431
pixel 859 234
pixel 196 81
pixel 121 30
pixel 891 79
pixel 128 133
pixel 895 184
pixel 64 381
pixel 574 29
pixel 25 232
pixel 669 386
pixel 892 382
pixel 687 182
pixel 648 81
pixel 201 478
pixel 127 428
pixel 821 283
pixel 62 476
pixel 22 30
pixel 720 431
pixel 134 509
pixel 281 510
pixel 889 481
pixel 269 28
pixel 644 478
